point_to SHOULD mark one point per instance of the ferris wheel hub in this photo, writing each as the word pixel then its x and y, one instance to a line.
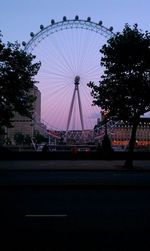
pixel 77 79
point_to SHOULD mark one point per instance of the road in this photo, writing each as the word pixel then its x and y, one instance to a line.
pixel 74 210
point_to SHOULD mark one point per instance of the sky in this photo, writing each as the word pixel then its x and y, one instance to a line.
pixel 19 17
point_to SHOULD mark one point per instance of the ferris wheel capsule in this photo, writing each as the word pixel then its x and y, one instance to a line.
pixel 41 26
pixel 64 18
pixel 100 23
pixel 89 19
pixel 111 28
pixel 76 17
pixel 52 21
pixel 31 34
pixel 24 43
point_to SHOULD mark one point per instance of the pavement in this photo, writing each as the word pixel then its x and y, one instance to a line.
pixel 143 165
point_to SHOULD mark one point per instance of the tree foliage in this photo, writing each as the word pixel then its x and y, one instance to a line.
pixel 19 138
pixel 17 72
pixel 124 88
pixel 39 138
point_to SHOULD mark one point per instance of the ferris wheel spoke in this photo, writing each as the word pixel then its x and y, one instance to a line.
pixel 88 97
pixel 53 86
pixel 69 95
pixel 86 43
pixel 55 55
pixel 55 67
pixel 87 110
pixel 82 48
pixel 65 41
pixel 54 74
pixel 77 49
pixel 63 57
pixel 57 116
pixel 57 90
pixel 54 79
pixel 93 71
pixel 62 95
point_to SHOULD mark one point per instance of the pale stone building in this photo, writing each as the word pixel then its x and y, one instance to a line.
pixel 25 125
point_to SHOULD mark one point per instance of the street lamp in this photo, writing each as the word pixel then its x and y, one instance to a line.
pixel 106 144
pixel 105 119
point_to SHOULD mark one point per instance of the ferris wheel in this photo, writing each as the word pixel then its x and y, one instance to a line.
pixel 69 52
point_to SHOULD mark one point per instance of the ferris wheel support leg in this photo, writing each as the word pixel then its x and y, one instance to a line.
pixel 70 111
pixel 80 110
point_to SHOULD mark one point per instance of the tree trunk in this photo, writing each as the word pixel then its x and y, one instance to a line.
pixel 129 160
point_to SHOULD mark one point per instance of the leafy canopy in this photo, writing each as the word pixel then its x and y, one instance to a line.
pixel 17 72
pixel 124 88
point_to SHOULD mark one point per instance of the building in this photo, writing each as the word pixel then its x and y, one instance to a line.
pixel 25 125
pixel 120 132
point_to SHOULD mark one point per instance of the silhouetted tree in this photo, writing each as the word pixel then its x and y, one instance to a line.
pixel 124 89
pixel 17 72
pixel 39 138
pixel 19 138
pixel 7 141
pixel 27 139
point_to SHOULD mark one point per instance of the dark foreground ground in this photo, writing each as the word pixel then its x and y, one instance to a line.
pixel 74 205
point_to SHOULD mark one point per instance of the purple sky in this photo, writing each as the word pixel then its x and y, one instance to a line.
pixel 19 17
